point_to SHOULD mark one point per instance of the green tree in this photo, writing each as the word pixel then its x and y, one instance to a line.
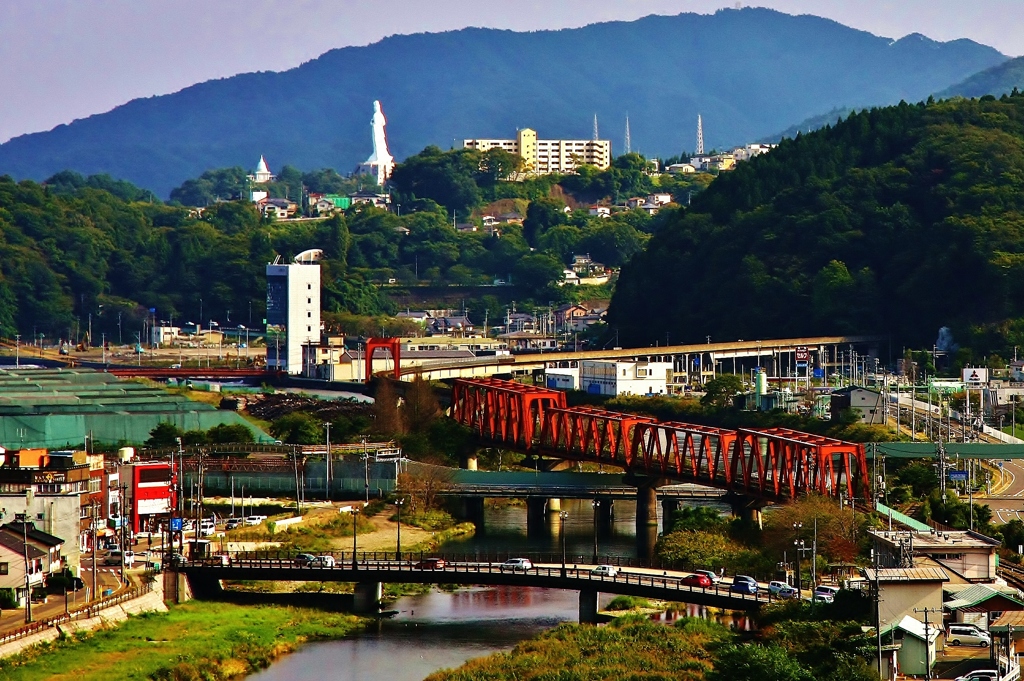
pixel 229 433
pixel 752 662
pixel 165 434
pixel 298 428
pixel 720 391
pixel 537 271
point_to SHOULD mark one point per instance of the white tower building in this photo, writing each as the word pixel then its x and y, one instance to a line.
pixel 293 310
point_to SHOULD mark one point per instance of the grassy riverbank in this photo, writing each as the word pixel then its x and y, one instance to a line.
pixel 205 641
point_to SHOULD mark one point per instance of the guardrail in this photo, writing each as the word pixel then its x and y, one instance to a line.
pixel 571 574
pixel 85 612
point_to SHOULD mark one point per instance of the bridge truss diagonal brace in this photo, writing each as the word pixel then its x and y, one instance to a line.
pixel 503 410
pixel 791 462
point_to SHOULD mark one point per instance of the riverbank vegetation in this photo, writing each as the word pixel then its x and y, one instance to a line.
pixel 634 647
pixel 207 641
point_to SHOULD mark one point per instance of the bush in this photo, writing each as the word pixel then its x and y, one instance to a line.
pixel 620 603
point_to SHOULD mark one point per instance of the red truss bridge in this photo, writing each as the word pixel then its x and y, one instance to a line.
pixel 771 464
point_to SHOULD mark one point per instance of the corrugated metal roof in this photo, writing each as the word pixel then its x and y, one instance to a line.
pixel 914 627
pixel 977 594
pixel 921 574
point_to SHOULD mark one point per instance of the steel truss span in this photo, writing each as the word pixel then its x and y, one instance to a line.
pixel 772 464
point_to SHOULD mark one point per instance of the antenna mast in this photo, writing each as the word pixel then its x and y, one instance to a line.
pixel 700 136
pixel 628 145
pixel 595 127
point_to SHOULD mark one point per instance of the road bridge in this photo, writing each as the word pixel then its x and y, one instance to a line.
pixel 370 571
pixel 700 359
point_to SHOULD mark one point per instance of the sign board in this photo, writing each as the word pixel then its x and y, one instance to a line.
pixel 803 354
pixel 152 506
pixel 958 476
pixel 176 524
pixel 819 373
pixel 975 376
pixel 801 365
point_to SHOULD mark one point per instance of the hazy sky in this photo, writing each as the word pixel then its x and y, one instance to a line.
pixel 66 59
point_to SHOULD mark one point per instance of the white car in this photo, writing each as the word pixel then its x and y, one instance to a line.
pixel 255 519
pixel 322 562
pixel 980 675
pixel 605 571
pixel 516 565
pixel 775 588
pixel 960 634
pixel 788 592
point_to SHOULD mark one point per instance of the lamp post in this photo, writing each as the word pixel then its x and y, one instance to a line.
pixel 355 563
pixel 398 543
pixel 562 515
pixel 596 504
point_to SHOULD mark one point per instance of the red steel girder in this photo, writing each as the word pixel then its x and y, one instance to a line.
pixel 502 410
pixel 393 345
pixel 770 463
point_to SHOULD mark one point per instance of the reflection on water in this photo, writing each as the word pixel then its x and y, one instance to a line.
pixel 442 630
pixel 505 531
pixel 431 632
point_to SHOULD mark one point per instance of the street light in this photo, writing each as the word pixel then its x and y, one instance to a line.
pixel 398 545
pixel 596 504
pixel 562 515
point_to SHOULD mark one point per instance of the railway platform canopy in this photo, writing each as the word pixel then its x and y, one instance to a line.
pixel 63 407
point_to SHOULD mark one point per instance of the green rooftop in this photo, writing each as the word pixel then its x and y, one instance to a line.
pixel 55 408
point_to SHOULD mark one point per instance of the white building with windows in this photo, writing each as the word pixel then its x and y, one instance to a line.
pixel 293 310
pixel 549 156
pixel 627 377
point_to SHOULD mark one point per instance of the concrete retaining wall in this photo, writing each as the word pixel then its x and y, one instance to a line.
pixel 150 602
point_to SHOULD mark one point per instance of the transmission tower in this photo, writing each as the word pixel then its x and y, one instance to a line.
pixel 628 146
pixel 595 127
pixel 700 136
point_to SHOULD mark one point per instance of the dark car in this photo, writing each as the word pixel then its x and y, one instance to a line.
pixel 430 564
pixel 702 581
pixel 742 584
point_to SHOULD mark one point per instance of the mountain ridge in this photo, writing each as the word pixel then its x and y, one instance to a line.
pixel 439 88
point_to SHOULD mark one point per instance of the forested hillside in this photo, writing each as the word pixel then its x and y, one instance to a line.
pixel 899 220
pixel 998 80
pixel 78 246
pixel 749 72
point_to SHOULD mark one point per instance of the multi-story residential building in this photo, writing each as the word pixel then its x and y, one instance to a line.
pixel 549 156
pixel 293 310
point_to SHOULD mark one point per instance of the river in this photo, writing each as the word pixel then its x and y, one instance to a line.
pixel 441 630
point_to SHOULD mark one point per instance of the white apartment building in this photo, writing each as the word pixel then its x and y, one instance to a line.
pixel 293 310
pixel 628 377
pixel 549 156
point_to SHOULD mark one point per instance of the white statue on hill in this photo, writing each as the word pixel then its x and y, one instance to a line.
pixel 381 162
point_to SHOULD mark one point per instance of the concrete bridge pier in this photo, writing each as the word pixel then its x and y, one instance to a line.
pixel 605 514
pixel 588 606
pixel 646 522
pixel 747 509
pixel 473 511
pixel 536 515
pixel 669 505
pixel 366 598
pixel 469 462
pixel 554 506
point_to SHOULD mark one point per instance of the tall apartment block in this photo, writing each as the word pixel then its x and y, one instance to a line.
pixel 293 310
pixel 550 156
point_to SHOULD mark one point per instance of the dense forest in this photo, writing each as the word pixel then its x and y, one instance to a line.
pixel 441 88
pixel 898 220
pixel 77 250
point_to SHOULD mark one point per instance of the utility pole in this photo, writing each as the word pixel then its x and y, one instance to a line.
pixel 23 519
pixel 398 543
pixel 94 569
pixel 927 647
pixel 327 461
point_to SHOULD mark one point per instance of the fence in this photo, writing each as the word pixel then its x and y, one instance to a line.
pixel 84 612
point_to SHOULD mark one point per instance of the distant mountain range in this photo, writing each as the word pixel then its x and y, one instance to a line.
pixel 749 72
